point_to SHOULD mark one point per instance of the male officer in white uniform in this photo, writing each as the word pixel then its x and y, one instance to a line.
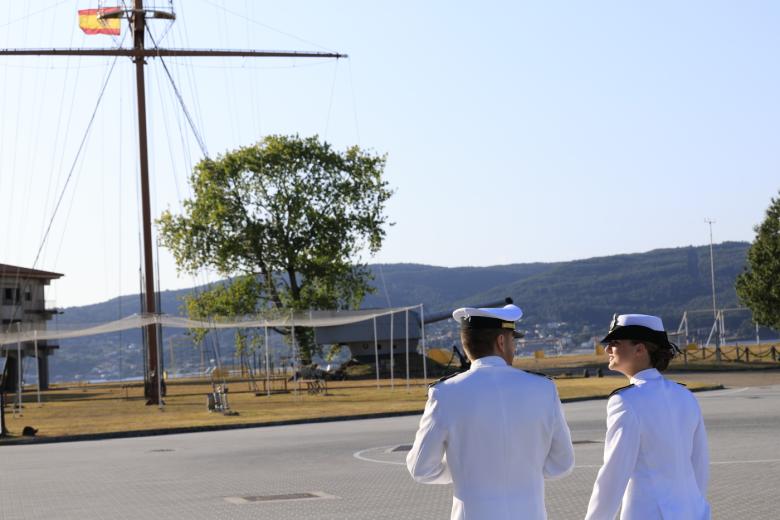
pixel 494 432
pixel 655 453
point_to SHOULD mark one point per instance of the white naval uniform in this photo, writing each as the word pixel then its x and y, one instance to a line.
pixel 656 445
pixel 494 432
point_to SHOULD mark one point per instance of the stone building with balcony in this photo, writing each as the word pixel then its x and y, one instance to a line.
pixel 23 306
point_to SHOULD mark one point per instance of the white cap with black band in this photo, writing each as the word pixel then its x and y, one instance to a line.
pixel 473 318
pixel 639 327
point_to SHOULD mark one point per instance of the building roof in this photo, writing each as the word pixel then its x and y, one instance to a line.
pixel 13 271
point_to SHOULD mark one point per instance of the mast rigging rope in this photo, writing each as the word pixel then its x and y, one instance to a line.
pixel 75 161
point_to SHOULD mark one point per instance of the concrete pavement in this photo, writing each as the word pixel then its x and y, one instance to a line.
pixel 350 469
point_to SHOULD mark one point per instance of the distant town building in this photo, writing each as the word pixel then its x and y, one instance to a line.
pixel 23 306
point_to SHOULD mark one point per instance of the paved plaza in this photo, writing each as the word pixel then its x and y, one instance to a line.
pixel 349 470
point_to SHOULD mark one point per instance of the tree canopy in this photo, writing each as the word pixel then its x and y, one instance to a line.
pixel 758 287
pixel 290 217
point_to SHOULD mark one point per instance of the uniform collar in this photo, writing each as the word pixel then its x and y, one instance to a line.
pixel 488 361
pixel 645 375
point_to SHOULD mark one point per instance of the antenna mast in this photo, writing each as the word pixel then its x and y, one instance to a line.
pixel 718 329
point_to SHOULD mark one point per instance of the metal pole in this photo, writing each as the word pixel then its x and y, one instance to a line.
pixel 406 312
pixel 294 352
pixel 173 356
pixel 392 359
pixel 714 304
pixel 159 373
pixel 422 338
pixel 758 340
pixel 267 364
pixel 376 354
pixel 37 363
pixel 2 413
pixel 18 403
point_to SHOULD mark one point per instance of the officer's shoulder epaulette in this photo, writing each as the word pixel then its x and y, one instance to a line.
pixel 443 379
pixel 537 374
pixel 618 390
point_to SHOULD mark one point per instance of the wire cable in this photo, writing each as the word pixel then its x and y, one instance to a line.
pixel 75 161
pixel 195 131
pixel 279 31
pixel 34 13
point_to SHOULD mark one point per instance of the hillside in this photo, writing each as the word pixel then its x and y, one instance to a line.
pixel 575 299
pixel 581 292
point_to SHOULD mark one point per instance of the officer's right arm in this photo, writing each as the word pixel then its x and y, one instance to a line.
pixel 426 460
pixel 700 457
pixel 621 449
pixel 560 458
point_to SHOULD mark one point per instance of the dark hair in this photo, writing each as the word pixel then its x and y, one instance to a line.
pixel 479 342
pixel 659 357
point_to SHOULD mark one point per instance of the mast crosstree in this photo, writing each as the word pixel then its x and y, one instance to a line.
pixel 137 18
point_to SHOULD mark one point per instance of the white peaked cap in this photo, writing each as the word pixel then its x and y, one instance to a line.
pixel 641 327
pixel 642 320
pixel 505 313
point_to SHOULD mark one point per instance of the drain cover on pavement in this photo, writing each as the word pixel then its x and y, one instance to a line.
pixel 285 497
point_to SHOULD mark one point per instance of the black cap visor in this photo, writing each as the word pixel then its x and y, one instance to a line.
pixel 638 333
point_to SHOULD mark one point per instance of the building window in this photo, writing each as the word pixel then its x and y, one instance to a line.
pixel 11 296
pixel 27 294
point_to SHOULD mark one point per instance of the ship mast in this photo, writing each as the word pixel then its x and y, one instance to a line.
pixel 137 17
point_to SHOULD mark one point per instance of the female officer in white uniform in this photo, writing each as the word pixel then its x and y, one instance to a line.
pixel 655 453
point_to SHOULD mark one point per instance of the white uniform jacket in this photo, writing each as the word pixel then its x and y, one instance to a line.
pixel 494 432
pixel 656 445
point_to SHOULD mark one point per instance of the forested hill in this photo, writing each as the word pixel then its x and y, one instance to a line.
pixel 580 292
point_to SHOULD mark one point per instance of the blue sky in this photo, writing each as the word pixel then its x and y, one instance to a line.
pixel 515 131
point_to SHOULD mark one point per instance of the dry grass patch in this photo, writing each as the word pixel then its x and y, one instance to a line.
pixel 89 409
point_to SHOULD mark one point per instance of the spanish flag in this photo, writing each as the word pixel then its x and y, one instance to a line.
pixel 91 23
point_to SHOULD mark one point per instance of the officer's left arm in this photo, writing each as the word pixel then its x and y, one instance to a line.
pixel 426 460
pixel 621 449
pixel 560 458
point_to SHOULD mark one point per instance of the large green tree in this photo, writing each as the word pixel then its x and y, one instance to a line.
pixel 290 217
pixel 758 286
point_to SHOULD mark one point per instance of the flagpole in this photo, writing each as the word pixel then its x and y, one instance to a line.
pixel 152 393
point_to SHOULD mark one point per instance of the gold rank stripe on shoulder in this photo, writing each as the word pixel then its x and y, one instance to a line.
pixel 681 384
pixel 537 374
pixel 442 379
pixel 618 390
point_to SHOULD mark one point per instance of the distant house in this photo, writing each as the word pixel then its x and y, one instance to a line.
pixel 23 306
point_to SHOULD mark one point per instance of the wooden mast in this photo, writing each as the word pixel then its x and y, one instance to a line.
pixel 152 386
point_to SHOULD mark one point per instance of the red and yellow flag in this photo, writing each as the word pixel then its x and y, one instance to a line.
pixel 91 23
